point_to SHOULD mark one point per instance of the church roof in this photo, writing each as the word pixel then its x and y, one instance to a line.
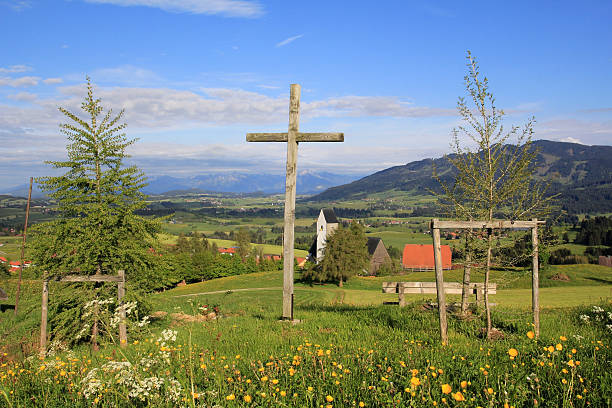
pixel 329 215
pixel 372 244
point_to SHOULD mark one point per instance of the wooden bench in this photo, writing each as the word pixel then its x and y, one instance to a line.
pixel 450 288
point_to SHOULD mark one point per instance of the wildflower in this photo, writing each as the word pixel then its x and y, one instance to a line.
pixel 264 378
pixel 490 391
pixel 458 396
pixel 283 393
pixel 464 384
pixel 530 334
pixel 562 338
pixel 559 347
pixel 415 382
pixel 329 398
pixel 446 389
pixel 230 397
pixel 551 349
pixel 361 404
pixel 513 352
pixel 310 389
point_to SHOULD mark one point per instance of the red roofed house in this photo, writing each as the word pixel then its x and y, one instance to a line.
pixel 15 265
pixel 3 259
pixel 421 257
pixel 227 251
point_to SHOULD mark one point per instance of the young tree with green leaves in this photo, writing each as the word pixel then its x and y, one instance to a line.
pixel 494 179
pixel 97 231
pixel 346 253
pixel 243 243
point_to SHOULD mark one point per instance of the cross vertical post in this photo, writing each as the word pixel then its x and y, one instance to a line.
pixel 292 137
pixel 290 181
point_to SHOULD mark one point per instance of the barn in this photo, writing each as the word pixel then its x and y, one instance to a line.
pixel 378 254
pixel 420 257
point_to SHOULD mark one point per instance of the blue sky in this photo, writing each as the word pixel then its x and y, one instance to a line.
pixel 195 75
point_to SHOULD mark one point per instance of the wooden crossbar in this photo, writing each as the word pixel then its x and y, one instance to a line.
pixel 92 278
pixel 299 137
pixel 485 224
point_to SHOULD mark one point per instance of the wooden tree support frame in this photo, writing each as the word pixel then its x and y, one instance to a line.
pixel 436 225
pixel 119 278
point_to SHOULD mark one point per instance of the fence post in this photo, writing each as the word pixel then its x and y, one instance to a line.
pixel 120 295
pixel 535 282
pixel 43 318
pixel 435 233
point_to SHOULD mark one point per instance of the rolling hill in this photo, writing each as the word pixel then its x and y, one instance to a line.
pixel 581 174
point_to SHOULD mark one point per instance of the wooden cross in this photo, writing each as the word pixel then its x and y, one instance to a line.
pixel 292 137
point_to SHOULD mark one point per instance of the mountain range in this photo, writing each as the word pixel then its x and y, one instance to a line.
pixel 308 182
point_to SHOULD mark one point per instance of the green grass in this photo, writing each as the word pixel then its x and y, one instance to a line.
pixel 341 329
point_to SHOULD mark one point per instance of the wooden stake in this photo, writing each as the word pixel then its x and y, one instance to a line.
pixel 23 242
pixel 535 282
pixel 435 232
pixel 120 295
pixel 43 318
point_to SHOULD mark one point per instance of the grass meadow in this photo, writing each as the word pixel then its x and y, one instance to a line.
pixel 348 350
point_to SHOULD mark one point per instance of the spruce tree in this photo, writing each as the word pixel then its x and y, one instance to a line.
pixel 97 230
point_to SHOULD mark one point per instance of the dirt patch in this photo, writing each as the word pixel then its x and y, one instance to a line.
pixel 160 314
pixel 496 334
pixel 560 277
pixel 180 318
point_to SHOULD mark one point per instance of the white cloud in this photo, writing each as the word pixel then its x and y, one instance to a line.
pixel 15 69
pixel 53 81
pixel 289 40
pixel 229 8
pixel 17 5
pixel 23 97
pixel 19 82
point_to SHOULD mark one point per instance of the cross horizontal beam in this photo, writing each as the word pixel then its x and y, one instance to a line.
pixel 300 137
pixel 485 224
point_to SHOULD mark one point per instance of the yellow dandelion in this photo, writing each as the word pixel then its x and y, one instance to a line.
pixel 230 397
pixel 559 347
pixel 513 352
pixel 464 384
pixel 329 398
pixel 415 382
pixel 458 396
pixel 247 398
pixel 446 389
pixel 490 391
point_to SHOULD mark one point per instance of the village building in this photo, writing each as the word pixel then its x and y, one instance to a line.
pixel 326 224
pixel 419 257
pixel 378 254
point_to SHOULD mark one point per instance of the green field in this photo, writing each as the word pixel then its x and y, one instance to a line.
pixel 348 350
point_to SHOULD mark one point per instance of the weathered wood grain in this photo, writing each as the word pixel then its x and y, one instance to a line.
pixel 91 278
pixel 484 224
pixel 535 281
pixel 435 233
pixel 300 137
